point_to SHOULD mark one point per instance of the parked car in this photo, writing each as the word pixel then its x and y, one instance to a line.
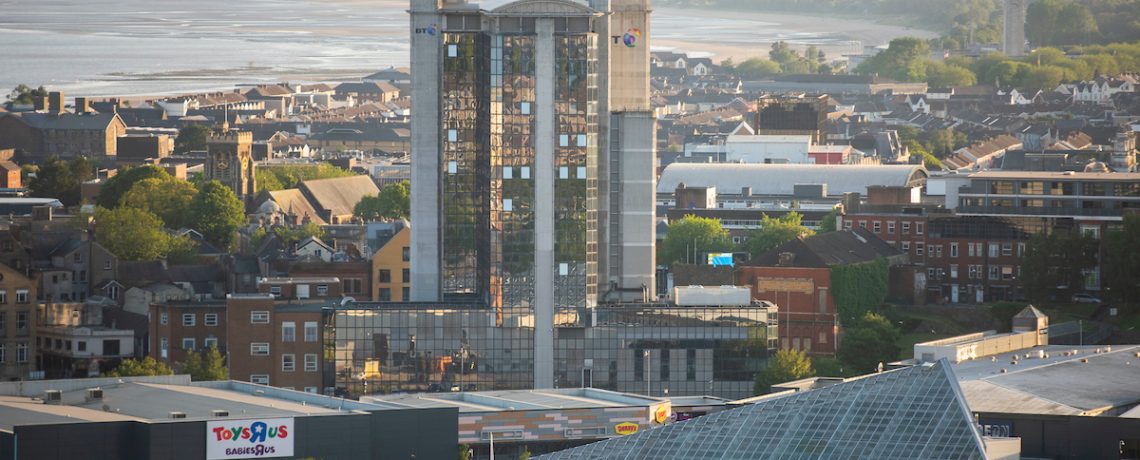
pixel 1085 298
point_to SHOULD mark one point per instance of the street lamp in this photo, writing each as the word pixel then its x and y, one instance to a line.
pixel 648 375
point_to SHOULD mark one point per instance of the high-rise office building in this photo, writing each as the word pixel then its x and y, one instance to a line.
pixel 1013 27
pixel 532 158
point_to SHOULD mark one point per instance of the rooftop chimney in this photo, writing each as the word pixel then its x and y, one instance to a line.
pixel 82 105
pixel 40 104
pixel 55 102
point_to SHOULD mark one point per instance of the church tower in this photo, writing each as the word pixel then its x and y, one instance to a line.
pixel 229 160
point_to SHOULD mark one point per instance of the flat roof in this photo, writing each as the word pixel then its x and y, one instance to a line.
pixel 1059 384
pixel 511 400
pixel 1069 175
pixel 140 400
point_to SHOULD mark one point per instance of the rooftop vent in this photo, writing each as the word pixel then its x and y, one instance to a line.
pixel 177 415
pixel 94 394
pixel 53 397
pixel 220 413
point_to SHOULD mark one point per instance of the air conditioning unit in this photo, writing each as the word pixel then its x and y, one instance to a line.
pixel 53 397
pixel 94 394
pixel 177 415
pixel 220 413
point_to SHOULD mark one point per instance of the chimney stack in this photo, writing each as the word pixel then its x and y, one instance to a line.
pixel 82 105
pixel 41 104
pixel 55 102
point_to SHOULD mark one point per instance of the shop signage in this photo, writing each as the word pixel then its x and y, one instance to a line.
pixel 253 438
pixel 623 429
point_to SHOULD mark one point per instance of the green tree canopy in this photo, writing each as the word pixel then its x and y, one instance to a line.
pixel 784 366
pixel 943 76
pixel 757 68
pixel 135 234
pixel 1060 22
pixel 55 179
pixel 1122 260
pixel 693 235
pixel 929 160
pixel 868 342
pixel 1057 259
pixel 217 213
pixel 393 202
pixel 774 232
pixel 289 235
pixel 905 59
pixel 168 198
pixel 25 95
pixel 205 366
pixel 134 368
pixel 192 138
pixel 829 222
pixel 111 193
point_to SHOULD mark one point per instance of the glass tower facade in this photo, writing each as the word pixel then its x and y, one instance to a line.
pixel 382 348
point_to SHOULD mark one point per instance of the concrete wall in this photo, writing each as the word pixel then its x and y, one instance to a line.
pixel 425 242
pixel 633 231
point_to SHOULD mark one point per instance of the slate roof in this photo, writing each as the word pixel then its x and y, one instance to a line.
pixel 292 201
pixel 340 194
pixel 89 121
pixel 843 247
pixel 915 412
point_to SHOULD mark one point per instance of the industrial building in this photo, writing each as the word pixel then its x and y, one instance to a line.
pixel 168 417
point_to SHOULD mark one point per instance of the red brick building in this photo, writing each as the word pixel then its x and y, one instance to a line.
pixel 176 328
pixel 275 343
pixel 797 277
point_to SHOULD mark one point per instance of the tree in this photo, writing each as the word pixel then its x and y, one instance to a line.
pixel 775 232
pixel 1122 260
pixel 944 76
pixel 191 138
pixel 785 366
pixel 82 168
pixel 111 193
pixel 205 366
pixel 828 223
pixel 289 235
pixel 1056 260
pixel 134 368
pixel 928 159
pixel 757 68
pixel 393 202
pixel 217 213
pixel 868 342
pixel 288 176
pixel 691 236
pixel 24 95
pixel 904 60
pixel 464 452
pixel 132 234
pixel 168 198
pixel 55 179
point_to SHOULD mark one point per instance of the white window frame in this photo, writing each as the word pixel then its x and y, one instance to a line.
pixel 312 326
pixel 288 331
pixel 210 319
pixel 189 320
pixel 953 249
pixel 210 342
pixel 259 379
pixel 21 353
pixel 259 349
pixel 259 317
pixel 288 362
pixel 21 296
pixel 163 318
pixel 191 341
pixel 311 362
